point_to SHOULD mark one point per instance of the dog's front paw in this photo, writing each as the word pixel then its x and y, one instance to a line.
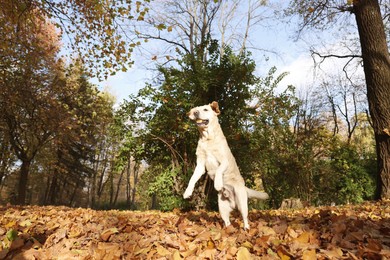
pixel 218 186
pixel 187 193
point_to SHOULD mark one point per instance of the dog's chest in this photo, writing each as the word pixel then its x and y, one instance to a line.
pixel 211 156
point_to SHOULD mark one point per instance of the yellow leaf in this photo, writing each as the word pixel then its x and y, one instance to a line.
pixel 215 234
pixel 162 251
pixel 25 223
pixel 75 232
pixel 176 255
pixel 143 251
pixel 10 224
pixel 309 255
pixel 303 238
pixel 283 254
pixel 247 244
pixel 210 244
pixel 243 254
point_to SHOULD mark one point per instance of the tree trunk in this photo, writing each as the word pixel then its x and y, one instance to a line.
pixel 376 62
pixel 118 187
pixel 53 189
pixel 128 183
pixel 134 190
pixel 22 188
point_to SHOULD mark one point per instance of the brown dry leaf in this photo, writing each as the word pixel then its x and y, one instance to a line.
pixel 227 243
pixel 106 234
pixel 358 235
pixel 291 232
pixel 347 244
pixel 339 227
pixel 280 228
pixel 75 232
pixel 107 251
pixel 347 232
pixel 374 245
pixel 204 236
pixel 266 231
pixel 171 241
pixel 3 253
pixel 208 254
pixel 143 251
pixel 17 243
pixel 191 251
pixel 2 231
pixel 230 230
pixel 232 251
pixel 334 253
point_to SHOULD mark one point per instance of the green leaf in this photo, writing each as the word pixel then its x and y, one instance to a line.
pixel 12 234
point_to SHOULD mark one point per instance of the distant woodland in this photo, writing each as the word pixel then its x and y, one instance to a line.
pixel 63 141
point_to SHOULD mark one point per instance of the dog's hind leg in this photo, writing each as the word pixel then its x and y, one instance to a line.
pixel 242 203
pixel 224 208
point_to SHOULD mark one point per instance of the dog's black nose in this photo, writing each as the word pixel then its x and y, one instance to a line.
pixel 196 113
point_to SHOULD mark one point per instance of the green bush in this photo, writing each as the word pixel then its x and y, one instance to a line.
pixel 163 188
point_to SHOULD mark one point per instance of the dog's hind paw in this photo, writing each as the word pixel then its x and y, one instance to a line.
pixel 187 194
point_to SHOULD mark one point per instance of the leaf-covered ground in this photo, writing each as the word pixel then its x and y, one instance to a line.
pixel 348 232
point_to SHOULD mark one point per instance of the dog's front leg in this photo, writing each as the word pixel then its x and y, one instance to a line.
pixel 199 171
pixel 218 179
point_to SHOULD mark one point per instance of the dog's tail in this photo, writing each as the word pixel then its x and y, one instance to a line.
pixel 256 194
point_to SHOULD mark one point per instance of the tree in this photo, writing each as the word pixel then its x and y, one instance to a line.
pixel 92 31
pixel 169 139
pixel 276 156
pixel 376 63
pixel 7 158
pixel 86 112
pixel 28 81
pixel 184 27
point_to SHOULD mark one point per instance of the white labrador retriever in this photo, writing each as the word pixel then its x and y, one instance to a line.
pixel 214 156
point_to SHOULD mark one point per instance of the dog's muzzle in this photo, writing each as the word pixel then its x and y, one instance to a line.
pixel 202 122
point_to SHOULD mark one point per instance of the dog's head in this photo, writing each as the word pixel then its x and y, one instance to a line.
pixel 203 115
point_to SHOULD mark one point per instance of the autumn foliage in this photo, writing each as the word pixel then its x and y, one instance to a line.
pixel 348 232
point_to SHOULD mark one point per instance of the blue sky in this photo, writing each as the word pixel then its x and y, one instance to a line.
pixel 275 39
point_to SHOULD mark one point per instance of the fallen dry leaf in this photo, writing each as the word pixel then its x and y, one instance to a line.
pixel 243 254
pixel 347 232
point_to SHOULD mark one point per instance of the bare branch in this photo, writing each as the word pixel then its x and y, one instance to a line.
pixel 323 57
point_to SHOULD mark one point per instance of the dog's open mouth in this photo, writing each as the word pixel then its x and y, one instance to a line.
pixel 201 122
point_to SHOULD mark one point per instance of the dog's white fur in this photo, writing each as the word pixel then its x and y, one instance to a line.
pixel 214 156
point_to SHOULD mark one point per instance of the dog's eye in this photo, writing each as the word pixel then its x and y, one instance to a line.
pixel 205 109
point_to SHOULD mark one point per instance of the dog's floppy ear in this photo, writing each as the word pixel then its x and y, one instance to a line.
pixel 215 107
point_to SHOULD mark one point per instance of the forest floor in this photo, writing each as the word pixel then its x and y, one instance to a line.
pixel 345 232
